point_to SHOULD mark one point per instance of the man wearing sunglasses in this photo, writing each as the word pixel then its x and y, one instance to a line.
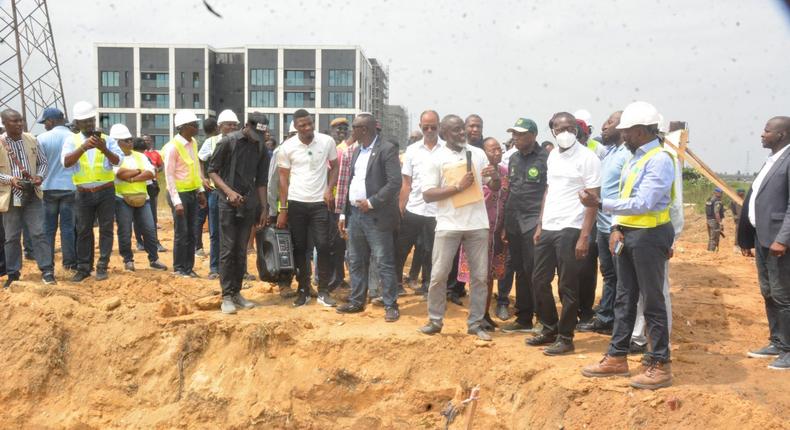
pixel 418 218
pixel 185 190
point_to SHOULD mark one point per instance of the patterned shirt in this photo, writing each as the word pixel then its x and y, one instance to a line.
pixel 18 148
pixel 343 179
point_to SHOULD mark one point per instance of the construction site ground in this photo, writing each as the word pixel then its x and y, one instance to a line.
pixel 149 350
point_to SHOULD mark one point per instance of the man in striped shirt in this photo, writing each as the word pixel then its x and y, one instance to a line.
pixel 23 167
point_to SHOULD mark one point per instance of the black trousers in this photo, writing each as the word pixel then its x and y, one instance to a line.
pixel 337 247
pixel 588 279
pixel 89 207
pixel 557 250
pixel 184 235
pixel 310 219
pixel 641 271
pixel 233 238
pixel 2 248
pixel 522 259
pixel 414 228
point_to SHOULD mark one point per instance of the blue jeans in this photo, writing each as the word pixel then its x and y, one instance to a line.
pixel 31 216
pixel 213 231
pixel 605 312
pixel 59 209
pixel 143 223
pixel 365 240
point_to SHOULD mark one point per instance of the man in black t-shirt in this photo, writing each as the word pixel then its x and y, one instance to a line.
pixel 239 170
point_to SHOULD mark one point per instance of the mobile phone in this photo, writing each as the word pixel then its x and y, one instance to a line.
pixel 96 134
pixel 618 247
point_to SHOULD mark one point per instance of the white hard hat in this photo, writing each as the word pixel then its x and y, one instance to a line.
pixel 639 113
pixel 119 131
pixel 184 117
pixel 584 115
pixel 663 124
pixel 227 116
pixel 83 110
pixel 291 128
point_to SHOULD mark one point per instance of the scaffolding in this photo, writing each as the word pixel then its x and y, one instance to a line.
pixel 29 73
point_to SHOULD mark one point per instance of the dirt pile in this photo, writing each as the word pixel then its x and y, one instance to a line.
pixel 148 350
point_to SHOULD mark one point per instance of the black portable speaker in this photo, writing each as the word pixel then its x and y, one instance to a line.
pixel 275 254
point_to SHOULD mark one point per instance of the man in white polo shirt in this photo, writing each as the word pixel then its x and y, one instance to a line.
pixel 562 238
pixel 461 219
pixel 418 218
pixel 306 200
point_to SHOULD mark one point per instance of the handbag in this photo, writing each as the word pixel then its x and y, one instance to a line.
pixel 135 200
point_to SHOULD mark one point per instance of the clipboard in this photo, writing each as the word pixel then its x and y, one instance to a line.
pixel 452 174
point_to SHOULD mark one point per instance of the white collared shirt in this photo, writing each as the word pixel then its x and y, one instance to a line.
pixel 758 182
pixel 308 180
pixel 569 172
pixel 415 157
pixel 357 189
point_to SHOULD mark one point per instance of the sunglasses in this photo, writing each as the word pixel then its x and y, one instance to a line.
pixel 428 127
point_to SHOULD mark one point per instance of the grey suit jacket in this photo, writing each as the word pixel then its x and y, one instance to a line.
pixel 772 209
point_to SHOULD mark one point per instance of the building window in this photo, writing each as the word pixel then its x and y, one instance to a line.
pixel 156 80
pixel 155 100
pixel 196 101
pixel 195 80
pixel 107 120
pixel 159 140
pixel 155 121
pixel 294 99
pixel 110 100
pixel 341 78
pixel 341 99
pixel 110 79
pixel 262 99
pixel 287 118
pixel 262 77
pixel 299 78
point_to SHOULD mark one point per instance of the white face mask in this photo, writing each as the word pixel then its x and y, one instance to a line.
pixel 565 139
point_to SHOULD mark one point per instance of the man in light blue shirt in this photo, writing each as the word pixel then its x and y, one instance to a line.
pixel 641 237
pixel 615 156
pixel 58 187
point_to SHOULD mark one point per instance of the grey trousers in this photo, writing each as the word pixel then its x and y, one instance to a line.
pixel 445 247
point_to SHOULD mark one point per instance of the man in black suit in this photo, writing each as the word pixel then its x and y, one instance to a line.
pixel 766 229
pixel 367 201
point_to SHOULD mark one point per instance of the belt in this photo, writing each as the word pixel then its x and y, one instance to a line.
pixel 95 189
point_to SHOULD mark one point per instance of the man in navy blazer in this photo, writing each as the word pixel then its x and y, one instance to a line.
pixel 367 201
pixel 766 229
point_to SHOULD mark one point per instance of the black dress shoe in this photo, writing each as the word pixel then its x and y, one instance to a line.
pixel 350 308
pixel 391 314
pixel 455 299
pixel 594 325
pixel 431 328
pixel 79 276
pixel 560 347
pixel 635 348
pixel 542 339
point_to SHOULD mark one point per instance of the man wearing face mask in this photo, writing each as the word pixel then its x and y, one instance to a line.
pixel 460 220
pixel 562 237
pixel 641 237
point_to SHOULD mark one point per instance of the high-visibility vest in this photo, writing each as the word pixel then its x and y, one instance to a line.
pixel 87 173
pixel 649 219
pixel 192 182
pixel 126 188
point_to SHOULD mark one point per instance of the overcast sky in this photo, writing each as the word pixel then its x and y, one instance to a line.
pixel 721 65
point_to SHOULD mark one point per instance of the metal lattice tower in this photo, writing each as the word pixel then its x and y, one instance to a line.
pixel 29 73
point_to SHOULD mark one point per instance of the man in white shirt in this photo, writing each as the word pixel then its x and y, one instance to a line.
pixel 562 238
pixel 305 201
pixel 418 218
pixel 766 230
pixel 461 219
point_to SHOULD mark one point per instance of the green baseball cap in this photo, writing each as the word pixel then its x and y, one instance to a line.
pixel 523 125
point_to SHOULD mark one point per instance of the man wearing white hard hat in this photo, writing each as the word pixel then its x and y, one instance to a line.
pixel 23 168
pixel 132 201
pixel 91 155
pixel 228 123
pixel 185 190
pixel 641 238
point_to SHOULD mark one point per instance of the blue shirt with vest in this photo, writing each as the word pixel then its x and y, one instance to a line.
pixel 612 164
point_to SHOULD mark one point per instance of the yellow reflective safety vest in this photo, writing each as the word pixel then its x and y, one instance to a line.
pixel 192 182
pixel 127 188
pixel 91 173
pixel 649 219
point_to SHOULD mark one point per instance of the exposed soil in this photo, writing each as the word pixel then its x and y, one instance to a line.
pixel 136 351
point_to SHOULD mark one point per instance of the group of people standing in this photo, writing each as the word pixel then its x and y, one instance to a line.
pixel 474 211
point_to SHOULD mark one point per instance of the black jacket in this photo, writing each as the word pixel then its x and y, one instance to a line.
pixel 382 183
